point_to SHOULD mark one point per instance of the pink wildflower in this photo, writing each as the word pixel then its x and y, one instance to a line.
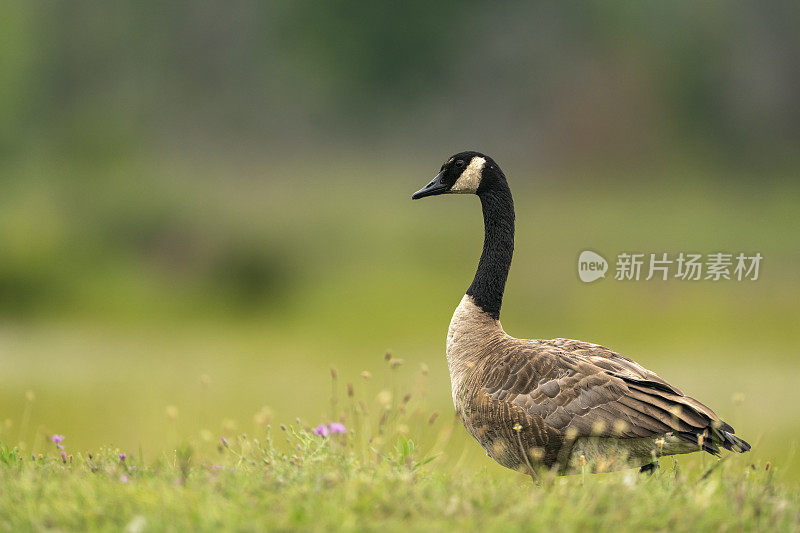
pixel 322 429
pixel 336 427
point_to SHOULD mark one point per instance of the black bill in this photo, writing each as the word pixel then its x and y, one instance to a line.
pixel 433 188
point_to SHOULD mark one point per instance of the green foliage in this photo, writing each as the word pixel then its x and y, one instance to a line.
pixel 373 476
pixel 9 456
pixel 98 81
pixel 323 484
pixel 403 455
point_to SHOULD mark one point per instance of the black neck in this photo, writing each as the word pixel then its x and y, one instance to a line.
pixel 498 248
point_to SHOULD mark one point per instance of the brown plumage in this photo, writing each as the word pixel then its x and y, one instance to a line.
pixel 568 398
pixel 555 403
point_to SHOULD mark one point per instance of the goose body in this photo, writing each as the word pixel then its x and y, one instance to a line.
pixel 561 403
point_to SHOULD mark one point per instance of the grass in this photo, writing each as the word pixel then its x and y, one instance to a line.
pixel 322 485
pixel 373 477
pixel 104 388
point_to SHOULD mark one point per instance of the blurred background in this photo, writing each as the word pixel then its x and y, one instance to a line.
pixel 205 206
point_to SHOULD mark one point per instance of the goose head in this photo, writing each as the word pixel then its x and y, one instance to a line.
pixel 465 173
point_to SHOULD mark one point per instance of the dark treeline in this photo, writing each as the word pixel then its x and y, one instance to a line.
pixel 561 80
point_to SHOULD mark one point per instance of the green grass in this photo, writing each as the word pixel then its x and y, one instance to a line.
pixel 398 466
pixel 308 482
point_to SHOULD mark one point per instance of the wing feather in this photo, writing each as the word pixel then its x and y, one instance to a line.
pixel 589 390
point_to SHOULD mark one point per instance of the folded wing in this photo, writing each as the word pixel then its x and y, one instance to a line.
pixel 582 389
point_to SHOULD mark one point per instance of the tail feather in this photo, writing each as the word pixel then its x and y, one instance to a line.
pixel 708 445
pixel 686 417
pixel 718 438
pixel 734 443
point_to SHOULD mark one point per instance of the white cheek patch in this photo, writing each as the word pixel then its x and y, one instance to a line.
pixel 470 179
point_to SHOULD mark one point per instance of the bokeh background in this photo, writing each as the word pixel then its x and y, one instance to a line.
pixel 205 205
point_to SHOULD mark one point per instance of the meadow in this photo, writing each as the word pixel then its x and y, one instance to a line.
pixel 367 473
pixel 176 305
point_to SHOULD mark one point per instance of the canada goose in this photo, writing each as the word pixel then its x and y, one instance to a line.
pixel 562 404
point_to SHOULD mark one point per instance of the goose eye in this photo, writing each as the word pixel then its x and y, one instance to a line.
pixel 459 164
